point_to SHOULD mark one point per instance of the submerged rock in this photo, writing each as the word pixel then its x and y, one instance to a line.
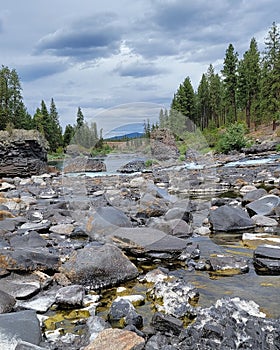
pixel 228 265
pixel 267 260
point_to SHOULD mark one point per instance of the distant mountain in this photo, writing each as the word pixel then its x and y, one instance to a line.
pixel 132 135
pixel 133 130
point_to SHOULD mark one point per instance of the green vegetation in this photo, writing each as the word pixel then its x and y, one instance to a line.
pixel 233 138
pixel 247 91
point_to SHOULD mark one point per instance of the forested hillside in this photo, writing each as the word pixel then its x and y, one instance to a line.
pixel 246 90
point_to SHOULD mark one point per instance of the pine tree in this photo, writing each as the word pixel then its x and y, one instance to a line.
pixel 80 118
pixel 249 80
pixel 229 72
pixel 56 139
pixel 183 109
pixel 68 135
pixel 203 102
pixel 270 76
pixel 215 97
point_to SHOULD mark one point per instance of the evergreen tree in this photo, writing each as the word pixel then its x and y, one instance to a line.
pixel 68 135
pixel 203 102
pixel 183 109
pixel 229 72
pixel 271 75
pixel 12 109
pixel 80 118
pixel 56 139
pixel 215 97
pixel 249 80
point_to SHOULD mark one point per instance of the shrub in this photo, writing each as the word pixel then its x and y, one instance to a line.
pixel 233 138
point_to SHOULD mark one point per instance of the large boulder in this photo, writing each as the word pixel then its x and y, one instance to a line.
pixel 163 145
pixel 264 206
pixel 22 153
pixel 99 266
pixel 227 218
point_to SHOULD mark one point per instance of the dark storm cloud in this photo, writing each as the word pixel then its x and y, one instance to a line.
pixel 36 71
pixel 89 38
pixel 138 70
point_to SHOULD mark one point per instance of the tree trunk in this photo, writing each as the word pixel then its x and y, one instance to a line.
pixel 248 114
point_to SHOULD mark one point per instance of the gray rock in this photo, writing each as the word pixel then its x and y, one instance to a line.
pixel 7 302
pixel 29 240
pixel 123 309
pixel 149 241
pixel 254 195
pixel 175 227
pixel 22 325
pixel 151 206
pixel 166 324
pixel 267 260
pixel 231 324
pixel 28 259
pixel 261 220
pixel 228 264
pixel 95 325
pixel 264 206
pixel 83 164
pixel 132 167
pixel 227 218
pixel 99 266
pixel 70 296
pixel 106 220
pixel 22 286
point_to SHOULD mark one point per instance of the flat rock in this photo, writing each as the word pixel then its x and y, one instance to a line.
pixel 28 259
pixel 228 265
pixel 70 295
pixel 62 229
pixel 261 220
pixel 99 266
pixel 267 259
pixel 22 325
pixel 22 286
pixel 227 218
pixel 264 206
pixel 153 242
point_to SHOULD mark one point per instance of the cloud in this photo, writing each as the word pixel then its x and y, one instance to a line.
pixel 138 69
pixel 89 38
pixel 31 72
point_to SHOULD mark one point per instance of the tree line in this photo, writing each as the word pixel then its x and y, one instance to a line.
pixel 13 114
pixel 246 90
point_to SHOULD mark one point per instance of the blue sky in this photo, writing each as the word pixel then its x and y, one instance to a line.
pixel 113 57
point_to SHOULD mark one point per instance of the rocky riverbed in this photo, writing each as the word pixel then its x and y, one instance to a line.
pixel 170 257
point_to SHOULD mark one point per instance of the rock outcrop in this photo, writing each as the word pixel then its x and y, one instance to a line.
pixel 163 146
pixel 22 153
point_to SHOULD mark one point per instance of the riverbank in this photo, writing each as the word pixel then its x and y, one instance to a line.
pixel 151 252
